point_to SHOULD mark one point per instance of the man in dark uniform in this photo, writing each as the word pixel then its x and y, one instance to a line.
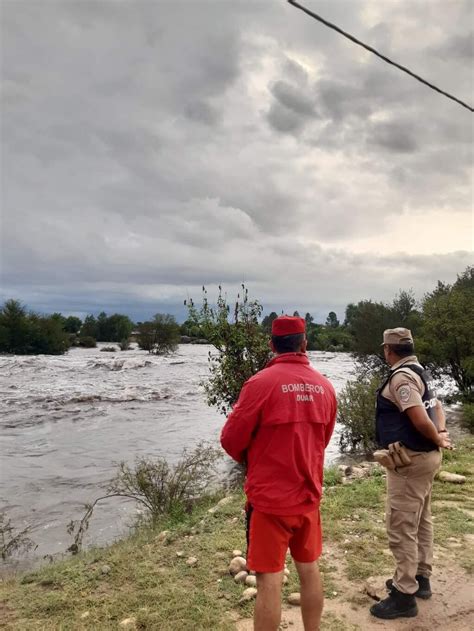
pixel 409 412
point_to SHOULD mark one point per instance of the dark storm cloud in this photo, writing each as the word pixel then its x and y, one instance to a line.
pixel 148 148
pixel 395 137
pixel 293 98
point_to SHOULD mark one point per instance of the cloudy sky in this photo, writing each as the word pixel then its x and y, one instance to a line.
pixel 149 148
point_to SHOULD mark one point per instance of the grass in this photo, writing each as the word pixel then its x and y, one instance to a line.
pixel 147 580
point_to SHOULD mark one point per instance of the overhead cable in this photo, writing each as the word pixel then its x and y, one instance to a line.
pixel 375 52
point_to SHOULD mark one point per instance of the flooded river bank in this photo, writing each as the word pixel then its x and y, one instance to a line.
pixel 66 421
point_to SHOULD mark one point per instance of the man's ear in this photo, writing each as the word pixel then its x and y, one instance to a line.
pixel 304 345
pixel 270 344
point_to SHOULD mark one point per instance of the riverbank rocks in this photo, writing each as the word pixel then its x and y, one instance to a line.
pixel 251 581
pixel 362 470
pixel 248 594
pixel 454 478
pixel 238 564
pixel 128 623
pixel 294 599
pixel 163 535
pixel 105 569
pixel 236 553
pixel 192 561
pixel 241 577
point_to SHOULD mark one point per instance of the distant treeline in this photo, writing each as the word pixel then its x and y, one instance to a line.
pixel 442 323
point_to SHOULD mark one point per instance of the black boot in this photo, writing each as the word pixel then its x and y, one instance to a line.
pixel 397 605
pixel 424 587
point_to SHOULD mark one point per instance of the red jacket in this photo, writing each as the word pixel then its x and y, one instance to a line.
pixel 281 425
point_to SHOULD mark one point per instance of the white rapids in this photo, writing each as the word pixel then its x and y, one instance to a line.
pixel 66 421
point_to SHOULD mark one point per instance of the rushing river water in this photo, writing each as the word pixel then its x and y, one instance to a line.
pixel 66 421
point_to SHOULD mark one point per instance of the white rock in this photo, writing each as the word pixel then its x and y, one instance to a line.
pixel 240 577
pixel 179 554
pixel 286 571
pixel 105 569
pixel 455 478
pixel 162 536
pixel 128 622
pixel 285 580
pixel 212 510
pixel 248 594
pixel 358 472
pixel 294 598
pixel 238 564
pixel 251 581
pixel 85 615
pixel 191 561
pixel 236 553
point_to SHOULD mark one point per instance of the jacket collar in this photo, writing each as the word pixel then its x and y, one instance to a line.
pixel 289 358
pixel 406 360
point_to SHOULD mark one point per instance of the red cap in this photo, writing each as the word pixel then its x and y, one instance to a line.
pixel 288 325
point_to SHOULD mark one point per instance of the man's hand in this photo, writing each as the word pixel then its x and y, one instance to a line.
pixel 444 441
pixel 420 419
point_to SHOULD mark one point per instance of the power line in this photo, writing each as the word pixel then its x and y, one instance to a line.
pixel 375 52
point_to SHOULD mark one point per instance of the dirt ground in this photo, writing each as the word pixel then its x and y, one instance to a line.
pixel 451 607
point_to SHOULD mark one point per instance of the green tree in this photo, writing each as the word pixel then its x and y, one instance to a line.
pixel 14 328
pixel 356 412
pixel 72 324
pixel 25 333
pixel 241 347
pixel 268 321
pixel 159 336
pixel 332 320
pixel 47 335
pixel 447 338
pixel 102 324
pixel 89 327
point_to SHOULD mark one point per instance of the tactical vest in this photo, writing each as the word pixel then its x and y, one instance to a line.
pixel 392 425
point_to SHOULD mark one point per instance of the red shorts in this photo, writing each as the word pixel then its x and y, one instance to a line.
pixel 270 536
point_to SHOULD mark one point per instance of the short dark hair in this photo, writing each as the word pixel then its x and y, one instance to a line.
pixel 288 343
pixel 402 350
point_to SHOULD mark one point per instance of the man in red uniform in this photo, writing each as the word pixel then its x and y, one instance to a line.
pixel 280 427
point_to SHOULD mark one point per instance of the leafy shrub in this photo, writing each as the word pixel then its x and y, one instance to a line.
pixel 241 345
pixel 124 345
pixel 356 413
pixel 87 342
pixel 13 541
pixel 157 486
pixel 160 336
